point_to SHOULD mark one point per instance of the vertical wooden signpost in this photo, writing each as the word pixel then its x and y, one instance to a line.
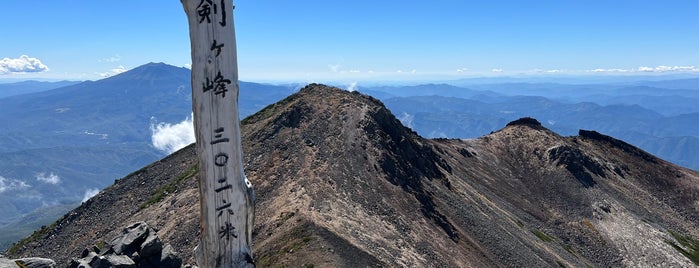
pixel 226 196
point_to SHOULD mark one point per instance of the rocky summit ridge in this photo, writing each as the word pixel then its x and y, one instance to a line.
pixel 341 183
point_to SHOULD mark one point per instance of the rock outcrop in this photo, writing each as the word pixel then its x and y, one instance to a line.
pixel 137 246
pixel 340 183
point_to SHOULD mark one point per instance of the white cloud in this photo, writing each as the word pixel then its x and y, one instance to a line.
pixel 497 70
pixel 602 70
pixel 461 70
pixel 352 87
pixel 114 71
pixel 172 137
pixel 23 64
pixel 51 178
pixel 7 184
pixel 188 65
pixel 663 68
pixel 647 69
pixel 89 193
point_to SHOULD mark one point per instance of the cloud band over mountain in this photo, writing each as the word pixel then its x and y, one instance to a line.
pixel 8 184
pixel 50 178
pixel 169 138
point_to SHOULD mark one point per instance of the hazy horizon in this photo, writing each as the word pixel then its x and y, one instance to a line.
pixel 587 78
pixel 360 40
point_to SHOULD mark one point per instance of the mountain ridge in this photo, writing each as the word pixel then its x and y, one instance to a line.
pixel 338 176
pixel 88 134
pixel 30 86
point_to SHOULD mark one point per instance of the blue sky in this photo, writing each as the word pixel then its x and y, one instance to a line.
pixel 316 40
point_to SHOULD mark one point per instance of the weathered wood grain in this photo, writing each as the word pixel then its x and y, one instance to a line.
pixel 226 196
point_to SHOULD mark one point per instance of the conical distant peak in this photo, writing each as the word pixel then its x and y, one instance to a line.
pixel 153 72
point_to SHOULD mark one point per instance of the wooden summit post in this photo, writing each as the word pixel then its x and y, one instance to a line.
pixel 226 196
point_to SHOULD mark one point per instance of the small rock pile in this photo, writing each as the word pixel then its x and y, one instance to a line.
pixel 137 246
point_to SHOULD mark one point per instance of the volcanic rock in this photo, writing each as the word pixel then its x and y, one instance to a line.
pixel 341 183
pixel 137 246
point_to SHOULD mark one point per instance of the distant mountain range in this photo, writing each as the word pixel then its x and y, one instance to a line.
pixel 31 86
pixel 340 182
pixel 59 146
pixel 62 143
pixel 662 121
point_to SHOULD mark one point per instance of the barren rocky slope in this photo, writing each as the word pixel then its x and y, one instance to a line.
pixel 340 183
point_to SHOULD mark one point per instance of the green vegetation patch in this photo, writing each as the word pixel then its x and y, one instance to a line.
pixel 100 244
pixel 37 235
pixel 561 264
pixel 166 189
pixel 296 245
pixel 541 235
pixel 297 239
pixel 517 221
pixel 570 250
pixel 292 246
pixel 688 246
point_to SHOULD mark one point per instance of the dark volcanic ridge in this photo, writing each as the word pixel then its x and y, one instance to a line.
pixel 341 183
pixel 526 121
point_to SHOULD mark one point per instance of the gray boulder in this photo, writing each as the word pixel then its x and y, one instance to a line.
pixel 152 246
pixel 85 260
pixel 130 239
pixel 137 246
pixel 114 261
pixel 169 258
